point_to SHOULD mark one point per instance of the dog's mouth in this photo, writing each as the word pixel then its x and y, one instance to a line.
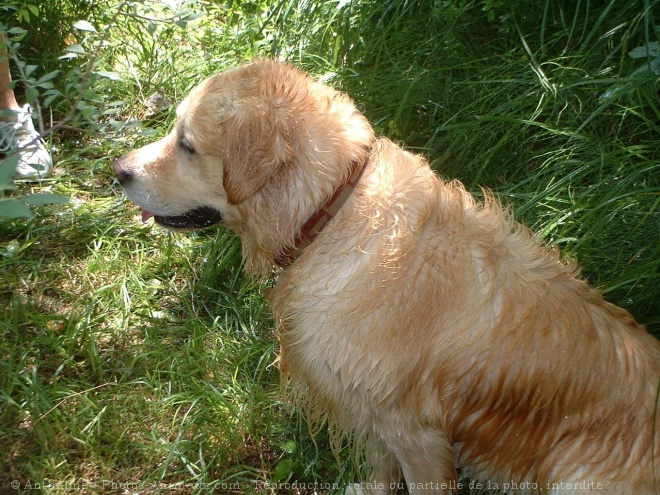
pixel 199 218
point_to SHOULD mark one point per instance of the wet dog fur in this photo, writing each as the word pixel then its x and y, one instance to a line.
pixel 428 325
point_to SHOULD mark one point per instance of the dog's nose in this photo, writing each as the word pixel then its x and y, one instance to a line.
pixel 121 171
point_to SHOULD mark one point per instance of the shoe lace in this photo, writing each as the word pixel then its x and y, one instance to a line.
pixel 17 134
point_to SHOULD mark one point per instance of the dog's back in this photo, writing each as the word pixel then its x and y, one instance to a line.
pixel 454 333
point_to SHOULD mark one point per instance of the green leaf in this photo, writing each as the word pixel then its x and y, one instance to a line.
pixel 193 17
pixel 47 77
pixel 289 447
pixel 23 16
pixel 48 100
pixel 113 76
pixel 31 94
pixel 283 471
pixel 29 69
pixel 84 26
pixel 7 169
pixel 75 49
pixel 45 199
pixel 14 208
pixel 649 50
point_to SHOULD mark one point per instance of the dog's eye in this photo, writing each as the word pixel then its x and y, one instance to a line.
pixel 186 146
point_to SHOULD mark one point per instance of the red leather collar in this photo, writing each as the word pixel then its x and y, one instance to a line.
pixel 313 227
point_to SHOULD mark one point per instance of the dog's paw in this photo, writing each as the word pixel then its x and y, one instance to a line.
pixel 360 489
pixel 354 489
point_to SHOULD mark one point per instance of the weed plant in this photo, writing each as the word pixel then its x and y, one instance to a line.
pixel 137 360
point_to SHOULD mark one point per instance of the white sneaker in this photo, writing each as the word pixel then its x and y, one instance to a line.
pixel 18 136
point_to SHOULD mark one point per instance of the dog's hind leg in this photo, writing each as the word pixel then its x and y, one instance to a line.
pixel 383 473
pixel 427 461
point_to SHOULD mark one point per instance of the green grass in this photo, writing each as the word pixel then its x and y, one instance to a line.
pixel 133 358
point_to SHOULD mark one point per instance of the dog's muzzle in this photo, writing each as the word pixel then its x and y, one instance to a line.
pixel 197 218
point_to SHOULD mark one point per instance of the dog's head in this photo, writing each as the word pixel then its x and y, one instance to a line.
pixel 257 148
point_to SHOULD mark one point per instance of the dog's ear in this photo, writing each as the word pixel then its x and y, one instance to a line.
pixel 257 151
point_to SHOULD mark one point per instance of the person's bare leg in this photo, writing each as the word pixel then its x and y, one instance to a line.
pixel 7 98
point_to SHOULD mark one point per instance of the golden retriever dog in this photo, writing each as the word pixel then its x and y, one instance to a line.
pixel 429 327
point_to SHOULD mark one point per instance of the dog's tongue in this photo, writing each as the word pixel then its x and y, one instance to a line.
pixel 146 215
